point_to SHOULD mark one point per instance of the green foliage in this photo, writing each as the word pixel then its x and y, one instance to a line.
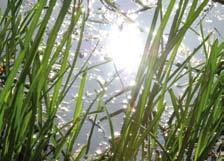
pixel 29 99
pixel 197 116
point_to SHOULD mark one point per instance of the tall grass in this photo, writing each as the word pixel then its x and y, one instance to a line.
pixel 29 99
pixel 197 118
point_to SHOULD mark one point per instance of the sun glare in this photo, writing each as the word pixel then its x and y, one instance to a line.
pixel 125 46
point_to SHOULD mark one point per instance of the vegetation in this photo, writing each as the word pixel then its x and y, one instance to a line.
pixel 30 99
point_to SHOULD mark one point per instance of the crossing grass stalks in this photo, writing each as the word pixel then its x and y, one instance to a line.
pixel 197 118
pixel 29 99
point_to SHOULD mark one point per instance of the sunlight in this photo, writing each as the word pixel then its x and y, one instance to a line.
pixel 125 46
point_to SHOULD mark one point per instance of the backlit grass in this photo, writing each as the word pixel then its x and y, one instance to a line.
pixel 30 99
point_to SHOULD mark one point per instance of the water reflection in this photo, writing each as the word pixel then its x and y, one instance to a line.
pixel 124 44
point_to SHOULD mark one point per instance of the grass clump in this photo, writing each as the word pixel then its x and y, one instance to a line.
pixel 29 99
pixel 197 119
